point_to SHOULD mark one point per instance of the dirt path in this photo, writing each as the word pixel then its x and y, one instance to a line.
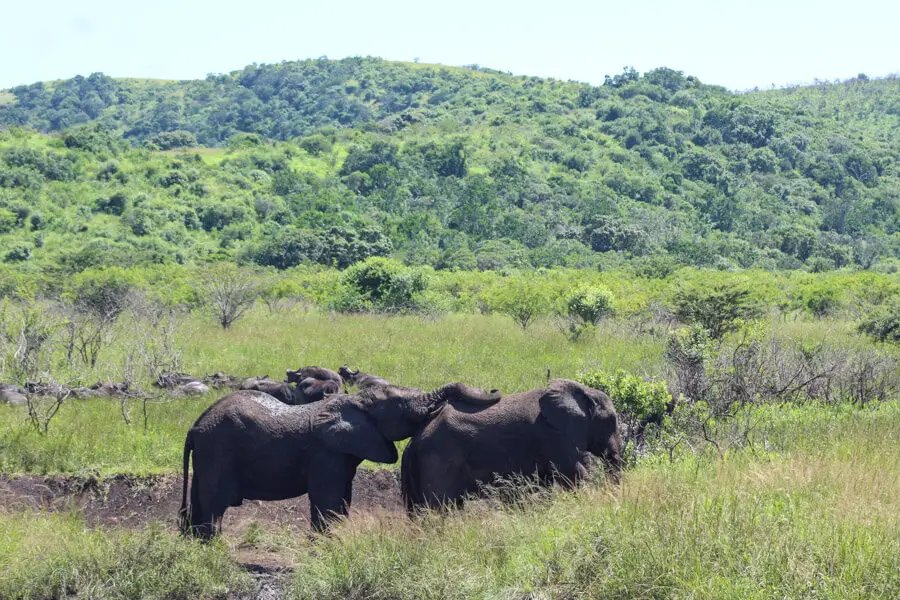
pixel 134 502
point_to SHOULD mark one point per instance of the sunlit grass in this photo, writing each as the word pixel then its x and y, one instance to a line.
pixel 820 520
pixel 57 556
pixel 485 351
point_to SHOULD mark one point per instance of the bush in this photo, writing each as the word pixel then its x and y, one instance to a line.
pixel 590 304
pixel 718 308
pixel 522 298
pixel 382 284
pixel 631 394
pixel 19 252
pixel 883 325
pixel 167 140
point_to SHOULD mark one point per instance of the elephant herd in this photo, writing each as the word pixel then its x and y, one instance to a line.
pixel 308 435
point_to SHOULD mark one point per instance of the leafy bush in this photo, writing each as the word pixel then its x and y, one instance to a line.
pixel 590 304
pixel 522 298
pixel 632 395
pixel 166 140
pixel 382 284
pixel 718 308
pixel 883 325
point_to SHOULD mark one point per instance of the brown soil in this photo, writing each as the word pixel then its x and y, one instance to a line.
pixel 134 502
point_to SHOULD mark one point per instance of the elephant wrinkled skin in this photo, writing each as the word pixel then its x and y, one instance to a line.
pixel 549 432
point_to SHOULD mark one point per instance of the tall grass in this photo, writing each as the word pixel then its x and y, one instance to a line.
pixel 821 521
pixel 487 351
pixel 56 556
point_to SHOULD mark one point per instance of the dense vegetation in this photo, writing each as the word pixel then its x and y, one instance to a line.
pixel 331 162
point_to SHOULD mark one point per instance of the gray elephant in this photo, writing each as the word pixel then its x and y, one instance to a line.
pixel 549 432
pixel 248 445
pixel 320 373
pixel 361 380
pixel 313 390
pixel 278 389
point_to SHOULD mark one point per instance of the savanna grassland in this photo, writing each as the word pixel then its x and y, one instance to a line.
pixel 792 496
pixel 724 265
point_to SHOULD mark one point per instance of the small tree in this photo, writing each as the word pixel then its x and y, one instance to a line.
pixel 585 307
pixel 383 284
pixel 95 299
pixel 280 294
pixel 524 299
pixel 227 291
pixel 883 325
pixel 718 308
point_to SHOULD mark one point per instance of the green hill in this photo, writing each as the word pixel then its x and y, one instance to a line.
pixel 333 161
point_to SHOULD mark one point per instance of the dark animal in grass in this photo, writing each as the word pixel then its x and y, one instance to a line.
pixel 110 388
pixel 549 432
pixel 278 389
pixel 249 445
pixel 171 381
pixel 221 380
pixel 313 390
pixel 361 380
pixel 320 373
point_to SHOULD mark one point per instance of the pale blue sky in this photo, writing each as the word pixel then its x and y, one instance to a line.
pixel 738 44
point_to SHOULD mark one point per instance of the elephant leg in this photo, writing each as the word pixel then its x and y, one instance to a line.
pixel 330 492
pixel 216 495
pixel 198 513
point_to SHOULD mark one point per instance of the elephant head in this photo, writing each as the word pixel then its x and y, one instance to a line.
pixel 367 424
pixel 587 417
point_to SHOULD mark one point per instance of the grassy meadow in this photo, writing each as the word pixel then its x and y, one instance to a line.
pixel 816 515
pixel 798 500
pixel 487 351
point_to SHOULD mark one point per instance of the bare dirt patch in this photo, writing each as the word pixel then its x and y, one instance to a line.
pixel 134 502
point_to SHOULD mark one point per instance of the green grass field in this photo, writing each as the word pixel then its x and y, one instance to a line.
pixel 809 508
pixel 816 516
pixel 486 351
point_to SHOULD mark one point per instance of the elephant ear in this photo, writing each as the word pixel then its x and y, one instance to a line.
pixel 568 410
pixel 343 426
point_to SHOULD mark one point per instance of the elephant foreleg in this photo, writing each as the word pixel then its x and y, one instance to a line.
pixel 330 494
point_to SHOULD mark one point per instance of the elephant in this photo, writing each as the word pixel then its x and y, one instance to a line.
pixel 12 394
pixel 249 445
pixel 313 390
pixel 278 389
pixel 549 432
pixel 320 373
pixel 361 380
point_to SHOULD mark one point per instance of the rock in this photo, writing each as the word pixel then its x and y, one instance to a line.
pixel 12 394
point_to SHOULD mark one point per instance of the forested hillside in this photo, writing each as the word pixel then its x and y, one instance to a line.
pixel 333 161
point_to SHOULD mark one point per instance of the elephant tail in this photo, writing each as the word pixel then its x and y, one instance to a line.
pixel 184 517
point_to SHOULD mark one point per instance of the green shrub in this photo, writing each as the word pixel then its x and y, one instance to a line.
pixel 382 284
pixel 522 298
pixel 719 308
pixel 590 304
pixel 631 394
pixel 883 325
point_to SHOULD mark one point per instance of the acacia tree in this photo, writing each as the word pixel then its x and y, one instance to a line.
pixel 227 291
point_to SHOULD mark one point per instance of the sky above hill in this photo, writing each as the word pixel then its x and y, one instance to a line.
pixel 739 44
